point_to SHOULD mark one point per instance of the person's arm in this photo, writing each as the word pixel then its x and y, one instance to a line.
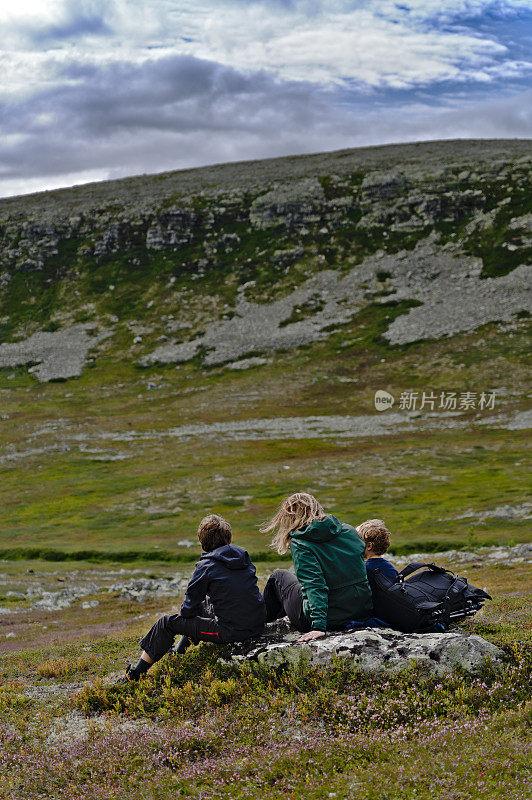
pixel 310 575
pixel 196 591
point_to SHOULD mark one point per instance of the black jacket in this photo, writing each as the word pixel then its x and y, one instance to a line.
pixel 226 576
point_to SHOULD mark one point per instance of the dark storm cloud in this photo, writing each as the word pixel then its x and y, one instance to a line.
pixel 162 108
pixel 180 111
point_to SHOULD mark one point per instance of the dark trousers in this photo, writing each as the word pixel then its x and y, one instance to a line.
pixel 283 597
pixel 205 628
pixel 160 638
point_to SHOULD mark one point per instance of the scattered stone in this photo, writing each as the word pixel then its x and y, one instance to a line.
pixel 522 511
pixel 247 363
pixel 56 356
pixel 64 598
pixel 515 554
pixel 464 300
pixel 144 589
pixel 433 278
pixel 340 427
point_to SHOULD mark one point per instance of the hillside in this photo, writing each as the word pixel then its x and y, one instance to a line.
pixel 215 338
pixel 356 324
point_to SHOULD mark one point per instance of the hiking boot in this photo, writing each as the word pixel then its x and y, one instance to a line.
pixel 129 677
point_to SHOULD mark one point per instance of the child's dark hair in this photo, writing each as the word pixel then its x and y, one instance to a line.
pixel 374 531
pixel 213 532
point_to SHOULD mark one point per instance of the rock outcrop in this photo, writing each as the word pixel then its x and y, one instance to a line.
pixel 282 251
pixel 370 649
pixel 292 204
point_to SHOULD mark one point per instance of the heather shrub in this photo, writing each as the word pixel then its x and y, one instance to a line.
pixel 11 696
pixel 61 667
pixel 339 695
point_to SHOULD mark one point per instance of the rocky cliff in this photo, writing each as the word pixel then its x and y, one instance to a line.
pixel 228 263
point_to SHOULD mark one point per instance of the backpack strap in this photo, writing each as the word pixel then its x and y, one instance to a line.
pixel 410 568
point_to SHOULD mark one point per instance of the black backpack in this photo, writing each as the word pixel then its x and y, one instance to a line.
pixel 428 601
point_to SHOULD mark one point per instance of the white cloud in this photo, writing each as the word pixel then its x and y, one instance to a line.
pixel 378 43
pixel 100 88
pixel 16 186
pixel 373 43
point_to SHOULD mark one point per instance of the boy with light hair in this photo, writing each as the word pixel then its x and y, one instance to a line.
pixel 376 537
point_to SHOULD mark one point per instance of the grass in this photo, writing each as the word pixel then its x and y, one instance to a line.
pixel 94 479
pixel 63 497
pixel 62 667
pixel 196 727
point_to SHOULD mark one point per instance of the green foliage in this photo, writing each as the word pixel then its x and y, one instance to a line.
pixel 12 697
pixel 118 557
pixel 338 695
pixel 499 247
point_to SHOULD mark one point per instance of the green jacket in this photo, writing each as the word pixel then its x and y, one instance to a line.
pixel 329 564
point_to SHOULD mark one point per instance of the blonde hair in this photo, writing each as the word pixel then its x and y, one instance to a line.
pixel 374 531
pixel 295 512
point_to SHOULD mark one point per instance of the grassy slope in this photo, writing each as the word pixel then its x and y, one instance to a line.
pixel 209 732
pixel 68 501
pixel 250 735
pixel 65 497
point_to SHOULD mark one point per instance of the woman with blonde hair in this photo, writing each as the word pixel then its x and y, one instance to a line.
pixel 330 586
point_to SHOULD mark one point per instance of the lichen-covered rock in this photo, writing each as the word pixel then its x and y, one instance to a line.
pixel 110 241
pixel 370 649
pixel 172 229
pixel 289 204
pixel 384 184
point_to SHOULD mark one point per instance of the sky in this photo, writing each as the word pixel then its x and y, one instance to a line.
pixel 99 89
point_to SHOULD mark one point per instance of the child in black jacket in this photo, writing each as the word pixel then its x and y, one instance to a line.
pixel 222 602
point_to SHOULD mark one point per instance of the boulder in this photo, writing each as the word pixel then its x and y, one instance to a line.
pixel 370 649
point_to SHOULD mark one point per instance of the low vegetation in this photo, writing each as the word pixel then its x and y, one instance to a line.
pixel 199 728
pixel 97 478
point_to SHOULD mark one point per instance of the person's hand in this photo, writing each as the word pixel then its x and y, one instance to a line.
pixel 311 635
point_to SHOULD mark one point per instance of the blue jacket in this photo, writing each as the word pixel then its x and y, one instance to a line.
pixel 226 578
pixel 386 567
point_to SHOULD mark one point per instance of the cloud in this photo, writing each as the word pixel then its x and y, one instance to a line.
pixel 80 25
pixel 379 43
pixel 373 42
pixel 175 110
pixel 58 21
pixel 116 87
pixel 179 111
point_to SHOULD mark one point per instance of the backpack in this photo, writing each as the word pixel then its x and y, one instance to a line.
pixel 429 601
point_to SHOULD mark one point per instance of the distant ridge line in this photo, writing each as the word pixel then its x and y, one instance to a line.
pixel 193 180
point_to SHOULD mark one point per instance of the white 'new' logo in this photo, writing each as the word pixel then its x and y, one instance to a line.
pixel 383 400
